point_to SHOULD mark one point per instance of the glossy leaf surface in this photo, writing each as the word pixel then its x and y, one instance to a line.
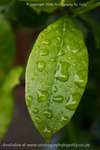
pixel 56 76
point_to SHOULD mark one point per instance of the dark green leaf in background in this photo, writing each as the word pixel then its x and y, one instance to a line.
pixel 7 48
pixel 56 76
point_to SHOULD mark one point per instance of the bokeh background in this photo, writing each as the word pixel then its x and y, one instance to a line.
pixel 85 125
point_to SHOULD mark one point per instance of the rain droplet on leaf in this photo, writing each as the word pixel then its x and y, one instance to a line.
pixel 62 72
pixel 54 89
pixel 45 42
pixel 58 38
pixel 71 103
pixel 42 95
pixel 41 65
pixel 34 110
pixel 37 119
pixel 52 59
pixel 47 133
pixel 79 81
pixel 61 53
pixel 44 52
pixel 58 98
pixel 48 114
pixel 29 101
pixel 64 118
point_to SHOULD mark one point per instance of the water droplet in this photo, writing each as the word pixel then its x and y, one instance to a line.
pixel 62 71
pixel 71 103
pixel 49 28
pixel 58 38
pixel 44 52
pixel 48 114
pixel 64 119
pixel 34 110
pixel 61 53
pixel 47 133
pixel 29 101
pixel 78 81
pixel 41 65
pixel 37 119
pixel 75 50
pixel 52 59
pixel 45 42
pixel 64 28
pixel 54 89
pixel 58 98
pixel 42 95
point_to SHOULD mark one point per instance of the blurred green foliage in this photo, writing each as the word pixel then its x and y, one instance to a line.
pixel 8 78
pixel 7 47
pixel 6 99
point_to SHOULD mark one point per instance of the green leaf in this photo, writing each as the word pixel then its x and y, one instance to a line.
pixel 56 76
pixel 6 99
pixel 7 47
pixel 12 79
pixel 6 111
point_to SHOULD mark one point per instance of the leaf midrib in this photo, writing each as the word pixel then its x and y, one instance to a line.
pixel 60 48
